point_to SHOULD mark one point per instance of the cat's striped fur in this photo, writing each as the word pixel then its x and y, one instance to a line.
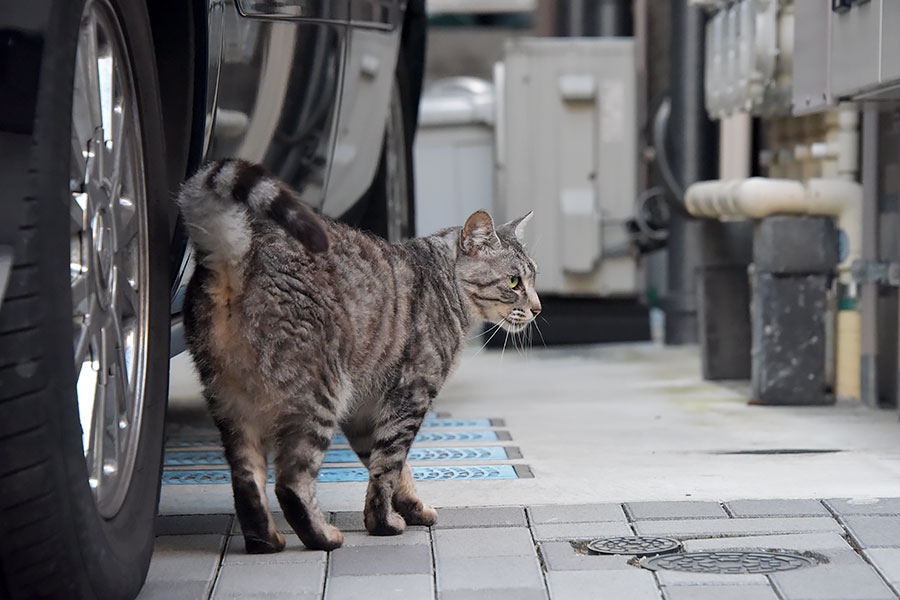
pixel 299 325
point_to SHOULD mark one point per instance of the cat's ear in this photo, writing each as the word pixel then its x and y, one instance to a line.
pixel 517 226
pixel 478 234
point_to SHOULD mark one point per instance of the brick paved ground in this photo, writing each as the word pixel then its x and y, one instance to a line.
pixel 527 553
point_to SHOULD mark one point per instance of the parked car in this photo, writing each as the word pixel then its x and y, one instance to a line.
pixel 105 107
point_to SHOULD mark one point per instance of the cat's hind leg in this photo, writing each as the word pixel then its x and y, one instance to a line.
pixel 245 453
pixel 389 486
pixel 406 501
pixel 301 442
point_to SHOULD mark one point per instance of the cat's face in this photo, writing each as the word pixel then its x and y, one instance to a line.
pixel 496 271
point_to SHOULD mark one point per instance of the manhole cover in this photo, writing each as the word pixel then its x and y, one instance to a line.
pixel 637 545
pixel 728 563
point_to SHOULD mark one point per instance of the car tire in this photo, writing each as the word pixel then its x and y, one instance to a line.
pixel 59 538
pixel 390 200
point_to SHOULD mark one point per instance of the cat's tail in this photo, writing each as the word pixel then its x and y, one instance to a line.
pixel 222 198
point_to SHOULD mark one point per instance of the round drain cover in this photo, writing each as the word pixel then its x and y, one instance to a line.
pixel 637 545
pixel 728 563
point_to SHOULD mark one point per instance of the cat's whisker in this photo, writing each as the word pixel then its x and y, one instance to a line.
pixel 539 331
pixel 503 351
pixel 496 328
pixel 483 333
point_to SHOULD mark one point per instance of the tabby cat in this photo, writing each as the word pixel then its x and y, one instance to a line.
pixel 298 325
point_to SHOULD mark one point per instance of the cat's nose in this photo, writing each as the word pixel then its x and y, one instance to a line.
pixel 535 311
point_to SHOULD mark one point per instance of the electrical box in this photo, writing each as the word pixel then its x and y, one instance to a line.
pixel 845 49
pixel 566 148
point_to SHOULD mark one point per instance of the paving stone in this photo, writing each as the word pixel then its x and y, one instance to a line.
pixel 294 552
pixel 887 562
pixel 874 531
pixel 832 582
pixel 720 592
pixel 576 513
pixel 864 506
pixel 486 516
pixel 590 585
pixel 380 587
pixel 489 573
pixel 194 524
pixel 777 508
pixel 175 590
pixel 560 556
pixel 409 537
pixel 757 525
pixel 277 580
pixel 183 564
pixel 684 578
pixel 510 594
pixel 281 524
pixel 640 511
pixel 489 541
pixel 381 560
pixel 348 520
pixel 580 531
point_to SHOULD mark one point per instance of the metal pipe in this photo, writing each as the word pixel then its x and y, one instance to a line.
pixel 692 153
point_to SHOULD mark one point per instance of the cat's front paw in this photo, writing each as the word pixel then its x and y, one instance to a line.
pixel 329 538
pixel 255 545
pixel 423 515
pixel 388 524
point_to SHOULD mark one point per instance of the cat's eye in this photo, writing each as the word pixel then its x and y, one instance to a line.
pixel 513 281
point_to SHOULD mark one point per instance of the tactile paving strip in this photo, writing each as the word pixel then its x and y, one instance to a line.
pixel 205 440
pixel 728 563
pixel 634 545
pixel 217 457
pixel 349 474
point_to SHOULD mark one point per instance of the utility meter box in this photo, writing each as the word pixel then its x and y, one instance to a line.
pixel 566 147
pixel 454 152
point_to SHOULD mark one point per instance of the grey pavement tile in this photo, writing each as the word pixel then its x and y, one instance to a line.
pixel 349 520
pixel 864 506
pixel 685 578
pixel 485 516
pixel 489 573
pixel 693 509
pixel 576 513
pixel 749 526
pixel 294 552
pixel 281 524
pixel 874 531
pixel 777 508
pixel 590 585
pixel 832 582
pixel 380 587
pixel 175 590
pixel 409 537
pixel 720 592
pixel 194 524
pixel 381 560
pixel 295 580
pixel 561 556
pixel 887 562
pixel 509 594
pixel 487 541
pixel 580 531
pixel 191 560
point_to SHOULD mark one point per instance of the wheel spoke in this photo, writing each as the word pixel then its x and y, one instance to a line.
pixel 88 67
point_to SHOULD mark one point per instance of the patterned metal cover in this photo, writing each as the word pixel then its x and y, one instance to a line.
pixel 728 563
pixel 635 545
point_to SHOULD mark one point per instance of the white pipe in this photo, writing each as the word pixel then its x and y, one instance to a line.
pixel 759 197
